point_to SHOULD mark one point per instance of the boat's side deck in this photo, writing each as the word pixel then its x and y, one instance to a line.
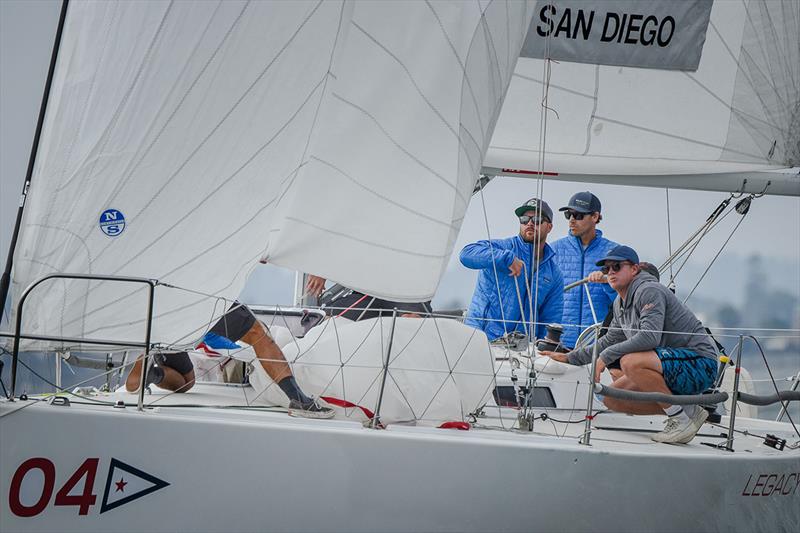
pixel 610 431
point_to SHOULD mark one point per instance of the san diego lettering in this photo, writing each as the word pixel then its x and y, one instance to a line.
pixel 624 28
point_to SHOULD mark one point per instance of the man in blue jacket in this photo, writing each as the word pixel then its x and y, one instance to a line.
pixel 576 255
pixel 514 273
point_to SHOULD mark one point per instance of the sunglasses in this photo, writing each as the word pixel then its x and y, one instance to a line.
pixel 525 219
pixel 613 267
pixel 574 214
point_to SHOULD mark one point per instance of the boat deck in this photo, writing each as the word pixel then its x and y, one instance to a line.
pixel 611 431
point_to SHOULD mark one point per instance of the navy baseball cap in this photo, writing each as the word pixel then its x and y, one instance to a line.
pixel 583 202
pixel 620 253
pixel 535 204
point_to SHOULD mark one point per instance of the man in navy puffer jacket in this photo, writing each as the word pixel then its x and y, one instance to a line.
pixel 515 263
pixel 576 255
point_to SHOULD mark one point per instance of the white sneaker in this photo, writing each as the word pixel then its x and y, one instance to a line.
pixel 680 430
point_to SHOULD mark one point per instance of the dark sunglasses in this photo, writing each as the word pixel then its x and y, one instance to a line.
pixel 613 267
pixel 525 219
pixel 574 214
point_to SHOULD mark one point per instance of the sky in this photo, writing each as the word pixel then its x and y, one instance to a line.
pixel 636 216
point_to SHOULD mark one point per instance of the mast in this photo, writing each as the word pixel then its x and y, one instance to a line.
pixel 5 281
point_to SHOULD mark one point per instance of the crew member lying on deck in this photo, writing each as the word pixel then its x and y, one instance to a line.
pixel 660 345
pixel 174 371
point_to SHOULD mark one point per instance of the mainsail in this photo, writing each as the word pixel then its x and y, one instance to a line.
pixel 186 141
pixel 736 117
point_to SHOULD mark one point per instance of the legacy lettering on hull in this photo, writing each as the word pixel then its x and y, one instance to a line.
pixel 772 484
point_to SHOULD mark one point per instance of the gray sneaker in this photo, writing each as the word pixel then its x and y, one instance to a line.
pixel 681 430
pixel 309 410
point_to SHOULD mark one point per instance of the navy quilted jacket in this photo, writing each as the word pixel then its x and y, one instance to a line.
pixel 485 304
pixel 576 263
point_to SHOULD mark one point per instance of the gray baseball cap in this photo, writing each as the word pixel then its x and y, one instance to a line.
pixel 535 204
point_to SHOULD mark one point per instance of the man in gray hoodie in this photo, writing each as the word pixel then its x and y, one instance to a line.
pixel 659 343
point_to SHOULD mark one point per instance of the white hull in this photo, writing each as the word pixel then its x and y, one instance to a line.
pixel 237 470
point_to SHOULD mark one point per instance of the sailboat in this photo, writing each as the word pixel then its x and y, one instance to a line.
pixel 184 143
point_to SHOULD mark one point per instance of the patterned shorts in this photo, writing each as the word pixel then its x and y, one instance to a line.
pixel 686 372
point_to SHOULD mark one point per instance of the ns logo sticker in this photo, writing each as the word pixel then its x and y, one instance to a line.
pixel 112 222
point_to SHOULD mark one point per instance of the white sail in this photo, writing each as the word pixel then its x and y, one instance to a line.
pixel 340 138
pixel 736 117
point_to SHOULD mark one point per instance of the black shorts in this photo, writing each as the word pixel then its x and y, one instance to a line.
pixel 179 361
pixel 358 306
pixel 235 323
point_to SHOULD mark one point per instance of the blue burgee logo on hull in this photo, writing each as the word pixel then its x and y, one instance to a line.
pixel 112 222
pixel 126 483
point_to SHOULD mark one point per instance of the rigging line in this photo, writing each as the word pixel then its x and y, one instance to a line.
pixel 714 259
pixel 769 370
pixel 5 279
pixel 554 86
pixel 669 235
pixel 494 265
pixel 686 254
pixel 687 250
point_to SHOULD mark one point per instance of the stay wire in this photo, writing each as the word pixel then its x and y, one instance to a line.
pixel 669 235
pixel 494 265
pixel 714 259
pixel 774 384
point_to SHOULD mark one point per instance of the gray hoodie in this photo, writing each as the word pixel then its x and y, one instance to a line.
pixel 648 310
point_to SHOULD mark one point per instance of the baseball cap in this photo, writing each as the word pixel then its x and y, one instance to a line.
pixel 620 253
pixel 583 202
pixel 535 204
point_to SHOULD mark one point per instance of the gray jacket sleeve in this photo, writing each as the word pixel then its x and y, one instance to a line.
pixel 651 304
pixel 583 356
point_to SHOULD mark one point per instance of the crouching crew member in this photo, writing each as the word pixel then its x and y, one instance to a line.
pixel 660 344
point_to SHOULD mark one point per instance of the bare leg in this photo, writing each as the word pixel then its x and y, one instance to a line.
pixel 268 353
pixel 633 408
pixel 616 373
pixel 173 380
pixel 641 372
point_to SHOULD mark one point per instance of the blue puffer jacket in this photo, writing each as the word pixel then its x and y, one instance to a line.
pixel 576 263
pixel 549 297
